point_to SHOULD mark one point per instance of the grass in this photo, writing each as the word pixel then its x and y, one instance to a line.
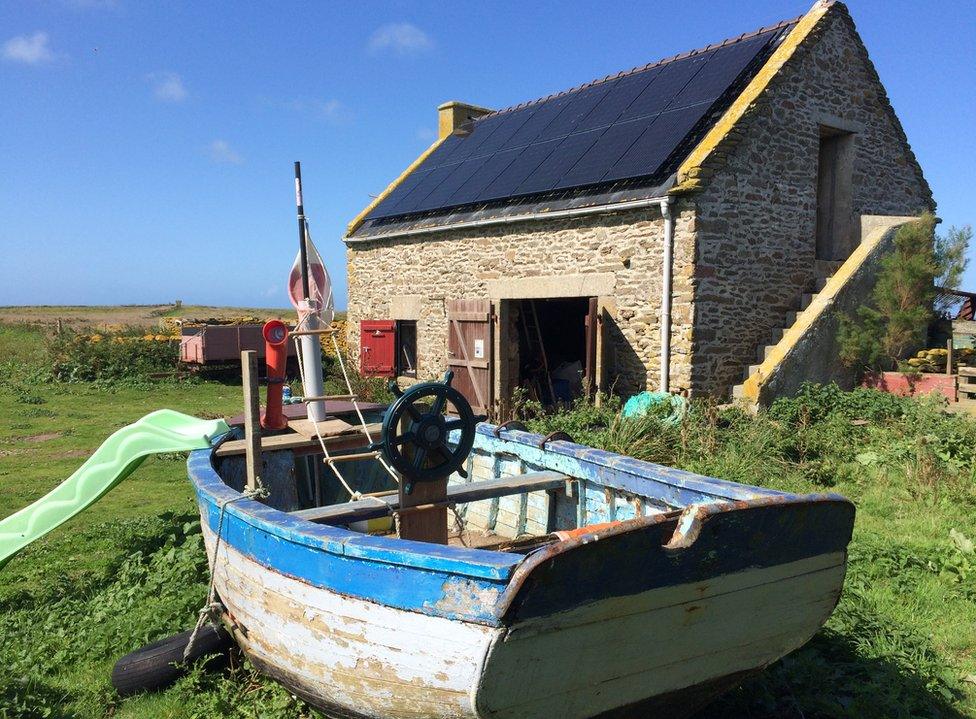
pixel 902 642
pixel 140 316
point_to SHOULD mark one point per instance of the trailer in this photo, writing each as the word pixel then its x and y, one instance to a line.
pixel 221 344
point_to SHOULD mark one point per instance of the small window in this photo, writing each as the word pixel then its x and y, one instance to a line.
pixel 406 348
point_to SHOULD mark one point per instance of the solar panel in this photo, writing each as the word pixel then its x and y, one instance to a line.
pixel 481 133
pixel 532 131
pixel 451 184
pixel 581 105
pixel 655 144
pixel 400 191
pixel 624 91
pixel 674 77
pixel 521 167
pixel 566 154
pixel 430 181
pixel 627 127
pixel 598 160
pixel 472 190
pixel 724 65
pixel 501 138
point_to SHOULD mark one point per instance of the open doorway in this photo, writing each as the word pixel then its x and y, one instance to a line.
pixel 556 348
pixel 834 194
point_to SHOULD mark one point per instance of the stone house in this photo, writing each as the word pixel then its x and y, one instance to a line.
pixel 663 228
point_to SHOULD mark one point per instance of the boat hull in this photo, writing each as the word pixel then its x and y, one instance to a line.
pixel 649 613
pixel 354 658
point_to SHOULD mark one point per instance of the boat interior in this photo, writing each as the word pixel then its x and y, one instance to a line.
pixel 516 491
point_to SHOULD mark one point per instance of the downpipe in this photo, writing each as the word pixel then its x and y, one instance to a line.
pixel 666 282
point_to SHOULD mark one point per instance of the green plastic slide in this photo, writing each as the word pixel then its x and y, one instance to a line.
pixel 117 458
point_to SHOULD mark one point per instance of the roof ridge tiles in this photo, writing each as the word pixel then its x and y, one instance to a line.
pixel 642 68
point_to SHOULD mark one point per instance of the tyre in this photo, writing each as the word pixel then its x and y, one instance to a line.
pixel 159 664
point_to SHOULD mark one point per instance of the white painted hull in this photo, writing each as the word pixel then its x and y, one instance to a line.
pixel 348 656
pixel 355 658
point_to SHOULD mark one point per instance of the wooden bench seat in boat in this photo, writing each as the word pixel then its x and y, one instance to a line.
pixel 376 507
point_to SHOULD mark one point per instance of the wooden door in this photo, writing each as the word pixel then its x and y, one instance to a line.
pixel 469 350
pixel 592 341
pixel 377 348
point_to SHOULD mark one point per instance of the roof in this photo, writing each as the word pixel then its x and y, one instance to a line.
pixel 612 140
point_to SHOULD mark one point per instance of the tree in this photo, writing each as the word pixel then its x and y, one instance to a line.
pixel 951 250
pixel 896 317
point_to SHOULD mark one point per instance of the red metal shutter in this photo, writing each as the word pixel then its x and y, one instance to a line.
pixel 377 348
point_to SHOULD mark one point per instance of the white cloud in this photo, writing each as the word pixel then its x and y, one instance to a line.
pixel 222 153
pixel 402 38
pixel 330 110
pixel 29 49
pixel 167 86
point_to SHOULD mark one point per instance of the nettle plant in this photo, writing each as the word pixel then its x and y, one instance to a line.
pixel 895 319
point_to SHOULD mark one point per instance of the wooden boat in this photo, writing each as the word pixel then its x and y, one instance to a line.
pixel 592 584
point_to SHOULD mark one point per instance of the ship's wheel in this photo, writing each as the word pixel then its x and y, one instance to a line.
pixel 416 432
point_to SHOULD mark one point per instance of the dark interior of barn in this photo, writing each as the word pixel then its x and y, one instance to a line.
pixel 552 348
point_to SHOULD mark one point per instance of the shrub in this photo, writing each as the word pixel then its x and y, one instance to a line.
pixel 80 357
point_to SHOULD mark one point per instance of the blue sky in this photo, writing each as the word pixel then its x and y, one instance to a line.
pixel 146 149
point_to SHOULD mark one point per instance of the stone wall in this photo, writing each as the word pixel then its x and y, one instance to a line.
pixel 756 223
pixel 626 247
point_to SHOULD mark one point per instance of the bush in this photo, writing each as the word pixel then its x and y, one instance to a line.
pixel 127 354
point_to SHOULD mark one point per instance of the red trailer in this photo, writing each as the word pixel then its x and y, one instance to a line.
pixel 221 344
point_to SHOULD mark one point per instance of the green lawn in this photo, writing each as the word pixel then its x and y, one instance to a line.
pixel 902 642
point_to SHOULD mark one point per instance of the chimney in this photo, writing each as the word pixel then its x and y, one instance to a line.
pixel 451 115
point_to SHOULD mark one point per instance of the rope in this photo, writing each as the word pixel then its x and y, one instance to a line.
pixel 210 613
pixel 459 523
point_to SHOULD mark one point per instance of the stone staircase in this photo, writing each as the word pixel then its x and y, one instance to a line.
pixel 822 272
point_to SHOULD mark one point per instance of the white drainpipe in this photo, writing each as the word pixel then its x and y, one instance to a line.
pixel 666 294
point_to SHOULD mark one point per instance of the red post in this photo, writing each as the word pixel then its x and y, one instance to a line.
pixel 275 357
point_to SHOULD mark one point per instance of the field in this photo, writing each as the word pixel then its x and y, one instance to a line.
pixel 902 642
pixel 136 316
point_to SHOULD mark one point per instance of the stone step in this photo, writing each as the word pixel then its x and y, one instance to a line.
pixel 752 369
pixel 738 392
pixel 790 319
pixel 820 283
pixel 805 300
pixel 776 335
pixel 764 352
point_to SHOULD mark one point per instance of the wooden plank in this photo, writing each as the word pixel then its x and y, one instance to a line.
pixel 294 441
pixel 967 371
pixel 456 494
pixel 252 417
pixel 428 524
pixel 328 428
